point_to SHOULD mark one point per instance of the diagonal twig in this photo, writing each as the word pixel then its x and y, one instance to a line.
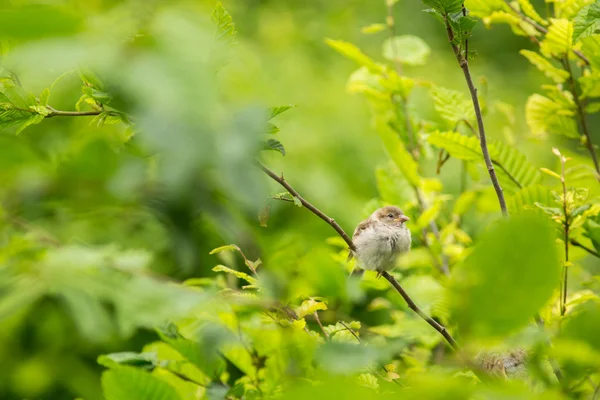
pixel 409 301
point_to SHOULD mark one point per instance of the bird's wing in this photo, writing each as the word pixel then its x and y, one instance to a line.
pixel 360 228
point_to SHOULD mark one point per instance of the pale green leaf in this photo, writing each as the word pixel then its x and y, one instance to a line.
pixel 239 274
pixel 526 199
pixel 406 49
pixel 453 106
pixel 228 247
pixel 135 384
pixel 368 381
pixel 484 8
pixel 128 358
pixel 225 26
pixel 44 96
pixel 459 146
pixel 398 153
pixel 559 39
pixel 590 84
pixel 373 28
pixel 310 306
pixel 275 111
pixel 545 116
pixel 353 53
pixel 556 74
pixel 528 9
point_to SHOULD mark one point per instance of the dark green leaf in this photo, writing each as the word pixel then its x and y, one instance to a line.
pixel 445 7
pixel 144 360
pixel 272 144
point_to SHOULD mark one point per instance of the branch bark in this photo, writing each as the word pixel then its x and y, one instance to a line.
pixel 464 65
pixel 57 113
pixel 409 301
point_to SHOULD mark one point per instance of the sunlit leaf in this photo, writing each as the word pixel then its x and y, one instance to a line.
pixel 586 22
pixel 559 39
pixel 406 49
pixel 135 384
pixel 552 72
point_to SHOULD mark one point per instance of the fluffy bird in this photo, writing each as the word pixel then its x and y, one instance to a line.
pixel 380 239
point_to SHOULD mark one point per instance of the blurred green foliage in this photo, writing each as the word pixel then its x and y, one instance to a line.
pixel 144 256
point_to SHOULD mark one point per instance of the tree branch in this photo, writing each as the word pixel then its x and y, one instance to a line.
pixel 581 115
pixel 542 30
pixel 464 65
pixel 593 252
pixel 313 209
pixel 411 304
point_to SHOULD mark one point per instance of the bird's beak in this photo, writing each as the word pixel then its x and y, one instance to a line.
pixel 402 218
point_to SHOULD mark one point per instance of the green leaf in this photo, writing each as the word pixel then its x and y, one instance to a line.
pixel 590 46
pixel 225 26
pixel 241 275
pixel 526 199
pixel 584 325
pixel 228 247
pixel 459 146
pixel 590 84
pixel 368 381
pixel 545 116
pixel 373 28
pixel 484 8
pixel 586 22
pixel 558 41
pixel 453 106
pixel 275 145
pixel 134 384
pixel 556 74
pixel 528 9
pixel 275 111
pixel 509 276
pixel 144 360
pixel 512 168
pixel 444 6
pixel 398 153
pixel 406 49
pixel 44 97
pixel 309 307
pixel 353 53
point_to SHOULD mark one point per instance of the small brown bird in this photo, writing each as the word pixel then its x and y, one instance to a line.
pixel 380 239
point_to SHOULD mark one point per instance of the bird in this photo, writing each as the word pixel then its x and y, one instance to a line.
pixel 380 239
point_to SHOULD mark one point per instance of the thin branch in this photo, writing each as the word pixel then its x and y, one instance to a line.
pixel 512 178
pixel 593 252
pixel 542 30
pixel 351 331
pixel 313 209
pixel 320 324
pixel 464 65
pixel 411 304
pixel 57 113
pixel 581 115
pixel 563 299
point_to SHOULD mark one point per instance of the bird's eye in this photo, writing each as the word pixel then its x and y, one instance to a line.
pixel 391 215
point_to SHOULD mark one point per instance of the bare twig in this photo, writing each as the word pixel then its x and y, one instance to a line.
pixel 320 324
pixel 411 304
pixel 581 114
pixel 313 209
pixel 542 30
pixel 351 331
pixel 464 65
pixel 593 252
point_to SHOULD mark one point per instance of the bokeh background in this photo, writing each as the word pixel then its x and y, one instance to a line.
pixel 182 181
